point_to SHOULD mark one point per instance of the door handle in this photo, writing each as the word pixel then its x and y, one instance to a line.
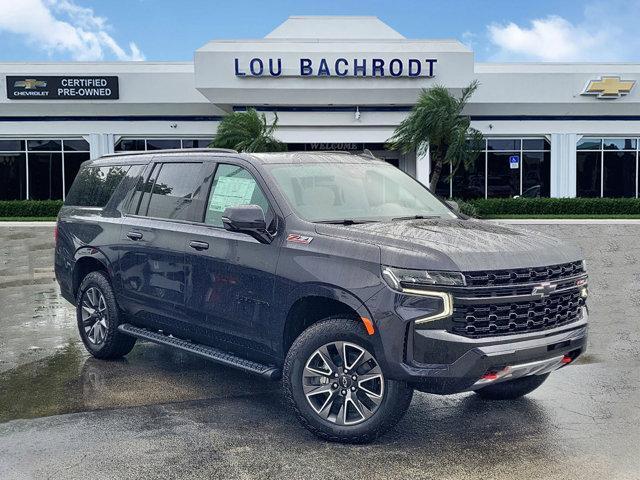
pixel 134 235
pixel 199 245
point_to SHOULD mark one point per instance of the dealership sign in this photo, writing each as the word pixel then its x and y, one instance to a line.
pixel 62 88
pixel 337 67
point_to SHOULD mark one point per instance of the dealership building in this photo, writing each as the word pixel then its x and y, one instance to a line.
pixel 335 83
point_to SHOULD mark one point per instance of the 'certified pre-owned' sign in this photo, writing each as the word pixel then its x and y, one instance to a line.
pixel 62 88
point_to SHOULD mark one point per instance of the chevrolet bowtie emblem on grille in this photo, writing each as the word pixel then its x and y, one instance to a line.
pixel 609 87
pixel 544 289
pixel 30 84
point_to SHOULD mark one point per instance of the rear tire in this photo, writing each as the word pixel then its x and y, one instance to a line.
pixel 355 407
pixel 98 318
pixel 512 389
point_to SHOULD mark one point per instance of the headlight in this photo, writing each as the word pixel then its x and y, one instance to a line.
pixel 417 282
pixel 403 278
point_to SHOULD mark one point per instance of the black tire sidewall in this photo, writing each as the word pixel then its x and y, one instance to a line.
pixel 391 409
pixel 114 339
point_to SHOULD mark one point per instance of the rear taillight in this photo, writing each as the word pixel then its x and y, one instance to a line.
pixel 55 234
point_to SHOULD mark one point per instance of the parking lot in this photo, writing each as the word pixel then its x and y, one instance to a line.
pixel 165 414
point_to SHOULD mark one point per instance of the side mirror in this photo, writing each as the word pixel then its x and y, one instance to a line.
pixel 454 205
pixel 247 219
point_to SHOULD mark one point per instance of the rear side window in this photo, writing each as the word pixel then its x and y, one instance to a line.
pixel 173 191
pixel 94 186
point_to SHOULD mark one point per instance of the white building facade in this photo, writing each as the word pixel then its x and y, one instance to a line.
pixel 335 83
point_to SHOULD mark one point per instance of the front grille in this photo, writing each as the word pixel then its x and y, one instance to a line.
pixel 494 319
pixel 523 275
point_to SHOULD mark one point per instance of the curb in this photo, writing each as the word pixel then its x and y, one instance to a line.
pixel 27 224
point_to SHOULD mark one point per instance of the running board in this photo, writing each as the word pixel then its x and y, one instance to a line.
pixel 210 353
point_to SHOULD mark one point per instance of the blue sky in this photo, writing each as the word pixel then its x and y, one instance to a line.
pixel 498 30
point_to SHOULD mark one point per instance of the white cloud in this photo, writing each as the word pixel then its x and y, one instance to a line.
pixel 606 32
pixel 62 26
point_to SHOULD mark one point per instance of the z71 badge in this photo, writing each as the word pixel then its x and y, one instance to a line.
pixel 295 238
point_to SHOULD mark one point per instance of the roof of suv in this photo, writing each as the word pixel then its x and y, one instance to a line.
pixel 276 157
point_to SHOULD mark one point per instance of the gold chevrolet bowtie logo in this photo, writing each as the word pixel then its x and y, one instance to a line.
pixel 30 83
pixel 609 87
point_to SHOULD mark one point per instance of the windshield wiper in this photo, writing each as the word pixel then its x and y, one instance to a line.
pixel 415 217
pixel 346 221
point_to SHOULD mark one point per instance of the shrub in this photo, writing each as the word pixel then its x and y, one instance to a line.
pixel 467 208
pixel 555 206
pixel 30 208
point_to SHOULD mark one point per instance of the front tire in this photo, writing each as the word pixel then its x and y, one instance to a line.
pixel 337 387
pixel 512 389
pixel 98 318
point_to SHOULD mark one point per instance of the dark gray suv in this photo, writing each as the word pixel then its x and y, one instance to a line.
pixel 336 272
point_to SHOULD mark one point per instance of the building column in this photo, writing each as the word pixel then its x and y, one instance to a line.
pixel 423 167
pixel 100 144
pixel 563 164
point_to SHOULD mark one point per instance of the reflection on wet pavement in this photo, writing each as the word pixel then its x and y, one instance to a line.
pixel 71 381
pixel 35 321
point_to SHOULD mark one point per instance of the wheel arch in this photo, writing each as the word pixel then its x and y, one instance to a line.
pixel 313 303
pixel 87 260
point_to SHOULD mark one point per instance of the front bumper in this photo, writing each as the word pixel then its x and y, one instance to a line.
pixel 468 360
pixel 435 360
pixel 501 325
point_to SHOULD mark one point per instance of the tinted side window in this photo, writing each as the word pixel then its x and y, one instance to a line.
pixel 121 194
pixel 233 185
pixel 143 188
pixel 94 185
pixel 174 190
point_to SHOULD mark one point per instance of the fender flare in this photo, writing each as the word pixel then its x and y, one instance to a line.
pixel 332 292
pixel 93 253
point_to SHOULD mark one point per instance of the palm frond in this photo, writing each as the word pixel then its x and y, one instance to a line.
pixel 248 131
pixel 437 122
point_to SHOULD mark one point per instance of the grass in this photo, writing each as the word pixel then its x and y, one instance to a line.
pixel 27 219
pixel 562 217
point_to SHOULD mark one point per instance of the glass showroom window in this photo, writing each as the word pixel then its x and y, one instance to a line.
pixel 13 170
pixel 39 169
pixel 505 168
pixel 607 167
pixel 144 144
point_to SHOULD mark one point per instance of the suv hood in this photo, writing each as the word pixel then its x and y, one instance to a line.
pixel 456 244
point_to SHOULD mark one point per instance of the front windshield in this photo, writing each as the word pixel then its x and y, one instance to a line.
pixel 355 192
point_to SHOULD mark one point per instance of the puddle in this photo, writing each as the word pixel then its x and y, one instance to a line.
pixel 72 381
pixel 40 388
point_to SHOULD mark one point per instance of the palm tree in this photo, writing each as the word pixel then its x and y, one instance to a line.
pixel 436 122
pixel 247 132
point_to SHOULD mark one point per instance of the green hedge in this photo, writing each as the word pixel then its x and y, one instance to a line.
pixel 30 208
pixel 551 206
pixel 475 208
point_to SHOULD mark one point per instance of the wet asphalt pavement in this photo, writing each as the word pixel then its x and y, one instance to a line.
pixel 165 414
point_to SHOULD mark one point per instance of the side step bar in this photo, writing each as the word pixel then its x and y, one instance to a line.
pixel 210 353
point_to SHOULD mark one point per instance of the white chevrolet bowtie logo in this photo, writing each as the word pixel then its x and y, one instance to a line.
pixel 544 289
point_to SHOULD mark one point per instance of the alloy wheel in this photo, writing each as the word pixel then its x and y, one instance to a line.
pixel 343 383
pixel 94 315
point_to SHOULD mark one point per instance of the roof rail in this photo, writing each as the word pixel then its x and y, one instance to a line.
pixel 367 153
pixel 173 150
